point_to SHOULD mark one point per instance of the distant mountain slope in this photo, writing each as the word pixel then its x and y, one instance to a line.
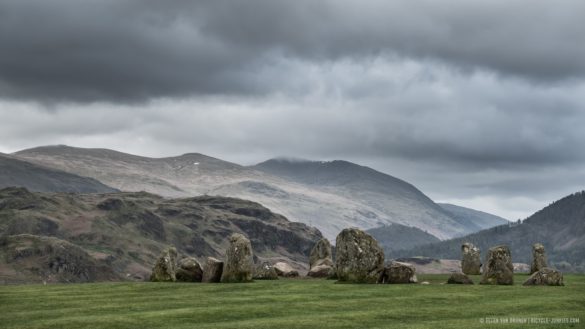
pixel 396 237
pixel 336 195
pixel 473 220
pixel 127 231
pixel 560 227
pixel 15 172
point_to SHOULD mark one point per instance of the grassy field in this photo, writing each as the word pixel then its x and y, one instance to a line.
pixel 290 304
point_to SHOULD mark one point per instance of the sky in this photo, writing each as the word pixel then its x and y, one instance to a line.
pixel 477 103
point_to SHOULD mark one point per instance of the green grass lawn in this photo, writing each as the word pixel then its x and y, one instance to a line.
pixel 289 304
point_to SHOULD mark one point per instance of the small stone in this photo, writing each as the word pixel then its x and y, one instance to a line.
pixel 459 278
pixel 545 277
pixel 189 270
pixel 212 271
pixel 265 271
pixel 398 272
pixel 285 270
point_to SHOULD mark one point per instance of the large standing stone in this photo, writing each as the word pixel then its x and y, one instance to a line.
pixel 545 277
pixel 213 270
pixel 238 265
pixel 265 271
pixel 498 266
pixel 189 270
pixel 399 272
pixel 359 258
pixel 459 278
pixel 471 259
pixel 538 258
pixel 165 267
pixel 285 270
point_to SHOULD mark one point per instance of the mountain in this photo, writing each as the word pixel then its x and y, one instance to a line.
pixel 397 237
pixel 65 237
pixel 559 226
pixel 328 195
pixel 15 172
pixel 473 220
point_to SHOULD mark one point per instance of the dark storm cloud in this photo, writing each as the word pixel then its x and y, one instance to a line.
pixel 122 51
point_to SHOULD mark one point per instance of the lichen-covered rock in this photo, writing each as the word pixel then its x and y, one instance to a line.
pixel 459 278
pixel 265 271
pixel 470 259
pixel 285 270
pixel 359 258
pixel 321 254
pixel 189 270
pixel 238 264
pixel 498 266
pixel 165 267
pixel 212 271
pixel 545 277
pixel 398 272
pixel 321 271
pixel 538 258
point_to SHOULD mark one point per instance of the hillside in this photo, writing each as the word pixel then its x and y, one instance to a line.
pixel 343 195
pixel 126 232
pixel 473 220
pixel 396 237
pixel 15 172
pixel 559 226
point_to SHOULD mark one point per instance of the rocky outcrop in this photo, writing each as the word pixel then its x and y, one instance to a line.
pixel 212 271
pixel 189 270
pixel 165 267
pixel 238 264
pixel 545 277
pixel 359 258
pixel 538 258
pixel 285 270
pixel 498 266
pixel 265 271
pixel 470 259
pixel 398 272
pixel 459 278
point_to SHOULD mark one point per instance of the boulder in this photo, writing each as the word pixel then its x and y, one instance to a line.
pixel 359 258
pixel 321 254
pixel 285 270
pixel 545 277
pixel 498 266
pixel 470 259
pixel 238 264
pixel 538 258
pixel 321 271
pixel 212 271
pixel 265 271
pixel 459 278
pixel 189 270
pixel 165 267
pixel 398 272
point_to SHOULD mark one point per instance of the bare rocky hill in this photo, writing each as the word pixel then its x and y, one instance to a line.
pixel 15 172
pixel 123 233
pixel 338 195
pixel 473 220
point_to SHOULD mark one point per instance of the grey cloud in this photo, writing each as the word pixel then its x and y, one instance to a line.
pixel 132 51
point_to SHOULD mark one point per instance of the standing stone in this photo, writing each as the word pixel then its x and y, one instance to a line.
pixel 213 270
pixel 538 258
pixel 359 258
pixel 321 254
pixel 285 270
pixel 238 265
pixel 459 278
pixel 498 266
pixel 398 272
pixel 189 270
pixel 471 259
pixel 165 267
pixel 265 271
pixel 545 277
pixel 321 260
